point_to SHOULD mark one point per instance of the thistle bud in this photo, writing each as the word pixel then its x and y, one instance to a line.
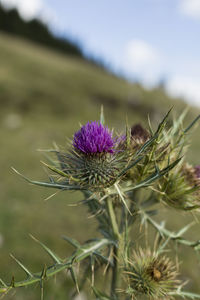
pixel 181 189
pixel 197 171
pixel 139 135
pixel 150 274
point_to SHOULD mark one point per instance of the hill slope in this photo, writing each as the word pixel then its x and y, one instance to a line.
pixel 32 77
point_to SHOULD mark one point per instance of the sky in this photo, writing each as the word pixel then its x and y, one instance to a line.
pixel 150 41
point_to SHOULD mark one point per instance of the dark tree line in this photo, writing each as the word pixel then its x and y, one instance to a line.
pixel 35 30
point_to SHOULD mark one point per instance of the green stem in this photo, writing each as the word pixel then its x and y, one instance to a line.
pixel 117 237
pixel 113 219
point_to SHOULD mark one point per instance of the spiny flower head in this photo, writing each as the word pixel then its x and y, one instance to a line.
pixel 150 274
pixel 95 159
pixel 94 138
pixel 181 189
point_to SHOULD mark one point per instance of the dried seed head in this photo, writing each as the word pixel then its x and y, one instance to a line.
pixel 151 274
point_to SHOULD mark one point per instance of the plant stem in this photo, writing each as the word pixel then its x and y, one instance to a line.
pixel 113 219
pixel 117 237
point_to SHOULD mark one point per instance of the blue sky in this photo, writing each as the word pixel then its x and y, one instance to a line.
pixel 148 40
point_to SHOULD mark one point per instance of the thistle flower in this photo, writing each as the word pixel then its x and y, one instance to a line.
pixel 95 160
pixel 94 138
pixel 150 274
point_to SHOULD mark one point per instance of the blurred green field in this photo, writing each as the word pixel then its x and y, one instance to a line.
pixel 44 96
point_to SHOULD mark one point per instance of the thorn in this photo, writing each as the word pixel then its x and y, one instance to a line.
pixel 12 284
pixel 71 241
pixel 122 198
pixel 3 283
pixel 29 274
pixel 74 278
pixel 44 273
pixel 55 258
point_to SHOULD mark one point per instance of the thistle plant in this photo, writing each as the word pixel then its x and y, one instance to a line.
pixel 125 180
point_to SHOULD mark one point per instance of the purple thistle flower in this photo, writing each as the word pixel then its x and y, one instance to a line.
pixel 197 171
pixel 94 138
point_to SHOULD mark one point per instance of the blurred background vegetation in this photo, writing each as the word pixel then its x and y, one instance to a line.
pixel 48 87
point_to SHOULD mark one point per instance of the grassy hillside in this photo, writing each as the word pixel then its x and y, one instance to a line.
pixel 43 97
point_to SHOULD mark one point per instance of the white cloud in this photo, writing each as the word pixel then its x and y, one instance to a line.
pixel 30 9
pixel 186 87
pixel 143 61
pixel 190 8
pixel 27 9
pixel 141 54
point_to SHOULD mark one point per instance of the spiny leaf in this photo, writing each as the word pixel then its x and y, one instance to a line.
pixel 131 165
pixel 156 175
pixel 55 258
pixel 3 283
pixel 90 248
pixel 54 169
pixel 102 119
pixel 74 278
pixel 29 274
pixel 185 294
pixel 162 123
pixel 86 251
pixel 172 235
pixel 49 184
pixel 192 124
pixel 155 136
pixel 72 242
